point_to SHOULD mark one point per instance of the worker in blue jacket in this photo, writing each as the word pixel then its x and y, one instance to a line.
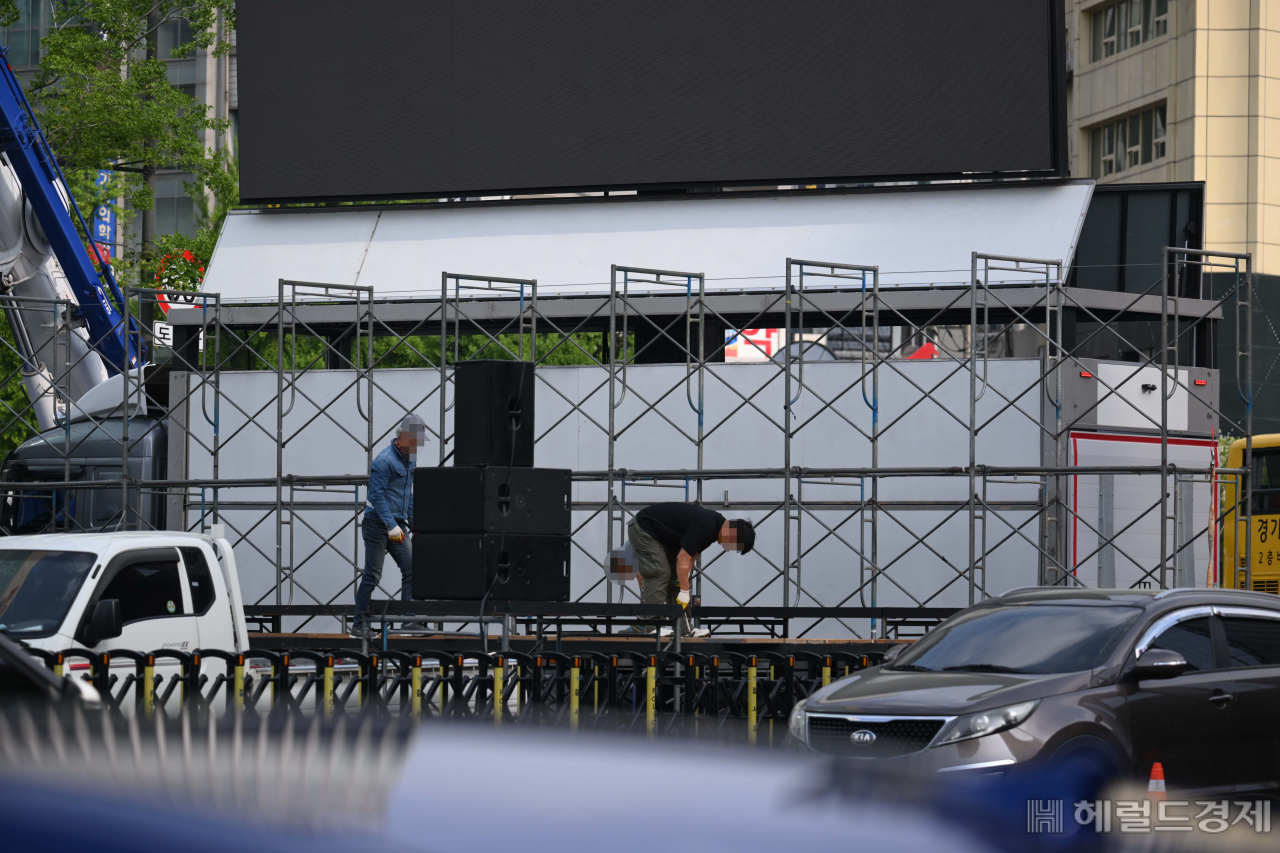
pixel 388 513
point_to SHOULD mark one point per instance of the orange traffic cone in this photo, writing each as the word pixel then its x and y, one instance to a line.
pixel 1155 788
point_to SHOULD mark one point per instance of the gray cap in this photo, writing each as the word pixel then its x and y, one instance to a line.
pixel 413 423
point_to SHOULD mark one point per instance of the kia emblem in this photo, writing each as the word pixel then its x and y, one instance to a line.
pixel 863 737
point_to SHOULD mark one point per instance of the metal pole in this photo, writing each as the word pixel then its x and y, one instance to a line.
pixel 973 417
pixel 279 441
pixel 217 397
pixel 1248 420
pixel 786 446
pixel 124 430
pixel 66 421
pixel 875 443
pixel 1164 418
pixel 613 392
pixel 444 337
pixel 702 407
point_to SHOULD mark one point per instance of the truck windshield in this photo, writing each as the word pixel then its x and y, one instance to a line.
pixel 37 588
pixel 1027 639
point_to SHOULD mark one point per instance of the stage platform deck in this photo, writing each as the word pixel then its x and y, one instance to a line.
pixel 576 643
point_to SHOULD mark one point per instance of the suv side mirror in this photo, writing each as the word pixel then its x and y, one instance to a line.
pixel 893 652
pixel 106 623
pixel 1158 663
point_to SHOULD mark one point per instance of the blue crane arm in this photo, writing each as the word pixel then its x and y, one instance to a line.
pixel 32 159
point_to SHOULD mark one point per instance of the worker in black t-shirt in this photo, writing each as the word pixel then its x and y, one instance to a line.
pixel 668 537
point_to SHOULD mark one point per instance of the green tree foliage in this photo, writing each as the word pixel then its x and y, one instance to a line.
pixel 16 416
pixel 179 261
pixel 105 105
pixel 260 351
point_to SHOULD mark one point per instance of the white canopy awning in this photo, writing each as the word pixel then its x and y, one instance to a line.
pixel 916 237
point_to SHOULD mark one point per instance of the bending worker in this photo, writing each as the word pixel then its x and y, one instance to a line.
pixel 668 537
pixel 389 512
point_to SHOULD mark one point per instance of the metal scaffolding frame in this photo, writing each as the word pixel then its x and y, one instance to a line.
pixel 348 321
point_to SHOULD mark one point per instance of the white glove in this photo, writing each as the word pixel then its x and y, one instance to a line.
pixel 395 534
pixel 683 598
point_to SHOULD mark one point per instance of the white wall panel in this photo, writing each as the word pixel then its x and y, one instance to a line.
pixel 657 423
pixel 915 236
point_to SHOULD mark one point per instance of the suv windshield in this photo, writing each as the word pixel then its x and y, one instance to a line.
pixel 37 588
pixel 1027 638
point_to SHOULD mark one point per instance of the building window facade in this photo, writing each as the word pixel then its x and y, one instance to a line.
pixel 1121 26
pixel 23 36
pixel 172 35
pixel 1129 142
pixel 175 210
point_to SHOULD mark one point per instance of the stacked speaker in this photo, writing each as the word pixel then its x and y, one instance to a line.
pixel 492 525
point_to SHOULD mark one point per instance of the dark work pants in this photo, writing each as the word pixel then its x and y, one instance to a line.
pixel 376 547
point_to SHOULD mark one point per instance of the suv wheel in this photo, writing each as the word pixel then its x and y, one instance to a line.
pixel 1086 764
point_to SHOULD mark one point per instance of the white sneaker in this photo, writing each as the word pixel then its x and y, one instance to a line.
pixel 700 632
pixel 666 632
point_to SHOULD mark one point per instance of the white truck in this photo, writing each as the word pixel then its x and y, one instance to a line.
pixel 140 591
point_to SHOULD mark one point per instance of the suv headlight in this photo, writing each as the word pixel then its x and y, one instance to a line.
pixel 797 722
pixel 985 722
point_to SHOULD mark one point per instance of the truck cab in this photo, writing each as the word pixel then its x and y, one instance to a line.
pixel 141 591
pixel 89 451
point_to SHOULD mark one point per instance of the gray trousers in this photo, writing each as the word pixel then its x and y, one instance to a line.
pixel 658 581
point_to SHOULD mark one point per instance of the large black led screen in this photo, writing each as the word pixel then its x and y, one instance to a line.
pixel 417 98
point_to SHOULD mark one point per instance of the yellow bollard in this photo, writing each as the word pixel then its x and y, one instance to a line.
pixel 519 704
pixel 751 701
pixel 238 686
pixel 148 686
pixel 415 687
pixel 57 664
pixel 328 687
pixel 498 689
pixel 573 695
pixel 595 691
pixel 359 694
pixel 826 671
pixel 442 694
pixel 651 695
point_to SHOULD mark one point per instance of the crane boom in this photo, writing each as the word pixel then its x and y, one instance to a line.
pixel 33 161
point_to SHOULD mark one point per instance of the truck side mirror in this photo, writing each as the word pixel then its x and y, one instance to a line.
pixel 106 623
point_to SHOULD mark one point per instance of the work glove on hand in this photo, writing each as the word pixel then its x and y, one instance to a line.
pixel 395 534
pixel 683 598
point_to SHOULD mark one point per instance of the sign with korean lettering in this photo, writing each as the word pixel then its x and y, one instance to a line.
pixel 752 344
pixel 104 218
pixel 163 333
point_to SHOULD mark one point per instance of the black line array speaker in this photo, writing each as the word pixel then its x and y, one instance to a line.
pixel 492 500
pixel 493 413
pixel 514 567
